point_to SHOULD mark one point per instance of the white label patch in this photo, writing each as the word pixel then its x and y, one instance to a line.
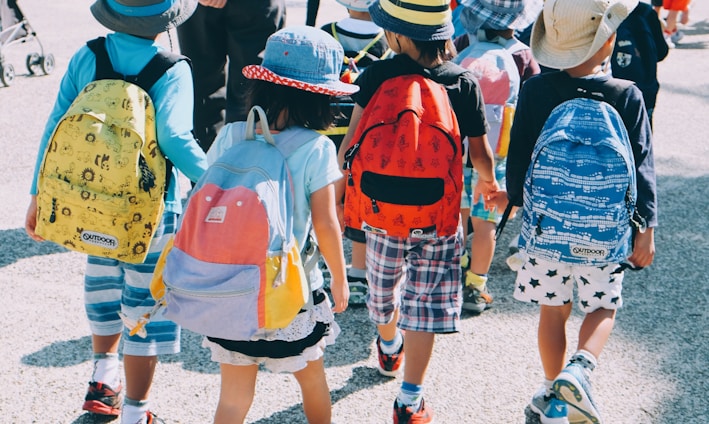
pixel 369 228
pixel 99 239
pixel 589 252
pixel 216 215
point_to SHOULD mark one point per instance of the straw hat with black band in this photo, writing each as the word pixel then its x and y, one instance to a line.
pixel 422 20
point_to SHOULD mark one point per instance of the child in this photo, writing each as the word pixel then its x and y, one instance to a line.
pixel 111 286
pixel 492 22
pixel 364 42
pixel 294 85
pixel 675 8
pixel 427 269
pixel 579 46
pixel 639 46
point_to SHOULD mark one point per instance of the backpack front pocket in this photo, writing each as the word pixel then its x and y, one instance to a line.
pixel 222 303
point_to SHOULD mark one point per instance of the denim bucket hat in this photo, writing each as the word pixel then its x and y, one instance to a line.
pixel 356 5
pixel 569 32
pixel 499 14
pixel 145 18
pixel 305 58
pixel 422 20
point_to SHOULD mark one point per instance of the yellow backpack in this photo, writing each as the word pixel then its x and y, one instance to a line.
pixel 102 183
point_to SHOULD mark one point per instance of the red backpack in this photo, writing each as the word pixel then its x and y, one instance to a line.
pixel 404 163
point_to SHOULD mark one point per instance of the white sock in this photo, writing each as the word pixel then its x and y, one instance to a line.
pixel 107 369
pixel 357 272
pixel 392 346
pixel 134 411
pixel 586 359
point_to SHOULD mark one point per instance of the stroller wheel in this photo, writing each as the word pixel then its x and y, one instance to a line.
pixel 32 61
pixel 7 74
pixel 48 64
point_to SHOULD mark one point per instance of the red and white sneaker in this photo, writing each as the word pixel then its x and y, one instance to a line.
pixel 389 365
pixel 102 399
pixel 404 414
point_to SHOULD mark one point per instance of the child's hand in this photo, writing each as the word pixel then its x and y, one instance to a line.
pixel 340 295
pixel 643 249
pixel 217 4
pixel 31 220
pixel 493 197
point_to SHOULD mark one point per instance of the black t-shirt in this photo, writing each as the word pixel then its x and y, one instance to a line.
pixel 462 87
pixel 542 93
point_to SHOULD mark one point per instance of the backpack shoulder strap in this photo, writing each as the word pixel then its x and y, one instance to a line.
pixel 104 67
pixel 148 76
pixel 156 68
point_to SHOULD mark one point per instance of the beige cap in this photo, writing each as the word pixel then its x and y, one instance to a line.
pixel 569 32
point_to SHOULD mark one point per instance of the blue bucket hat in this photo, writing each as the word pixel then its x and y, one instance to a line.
pixel 305 58
pixel 422 20
pixel 499 14
pixel 145 18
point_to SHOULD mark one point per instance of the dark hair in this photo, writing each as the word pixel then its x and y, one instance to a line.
pixel 304 108
pixel 431 51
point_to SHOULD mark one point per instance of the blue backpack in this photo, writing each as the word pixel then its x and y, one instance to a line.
pixel 580 190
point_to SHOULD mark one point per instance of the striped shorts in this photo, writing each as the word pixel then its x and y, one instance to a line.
pixel 112 286
pixel 421 276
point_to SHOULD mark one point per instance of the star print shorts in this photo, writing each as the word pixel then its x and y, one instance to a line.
pixel 552 284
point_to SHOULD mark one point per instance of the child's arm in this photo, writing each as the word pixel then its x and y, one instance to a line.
pixel 484 164
pixel 329 236
pixel 643 248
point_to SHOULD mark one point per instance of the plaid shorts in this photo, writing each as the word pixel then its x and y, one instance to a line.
pixel 112 286
pixel 552 284
pixel 420 276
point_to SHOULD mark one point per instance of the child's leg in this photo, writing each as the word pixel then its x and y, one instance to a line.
pixel 684 16
pixel 139 372
pixel 418 346
pixel 238 384
pixel 595 331
pixel 551 337
pixel 671 21
pixel 316 394
pixel 357 274
pixel 482 245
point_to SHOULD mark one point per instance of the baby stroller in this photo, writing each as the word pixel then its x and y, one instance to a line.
pixel 15 29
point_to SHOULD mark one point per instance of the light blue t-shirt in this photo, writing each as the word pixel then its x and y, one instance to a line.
pixel 172 96
pixel 313 166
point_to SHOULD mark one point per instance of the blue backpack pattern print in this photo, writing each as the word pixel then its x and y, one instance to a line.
pixel 580 190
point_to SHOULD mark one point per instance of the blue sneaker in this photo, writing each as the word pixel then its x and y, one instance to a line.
pixel 549 409
pixel 572 386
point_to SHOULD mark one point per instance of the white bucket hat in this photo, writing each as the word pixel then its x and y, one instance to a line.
pixel 569 32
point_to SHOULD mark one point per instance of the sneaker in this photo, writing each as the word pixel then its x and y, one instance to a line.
pixel 549 409
pixel 475 300
pixel 404 414
pixel 153 419
pixel 572 386
pixel 358 290
pixel 103 400
pixel 668 40
pixel 389 365
pixel 676 37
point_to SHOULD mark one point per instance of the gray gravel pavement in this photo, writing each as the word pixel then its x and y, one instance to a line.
pixel 654 369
